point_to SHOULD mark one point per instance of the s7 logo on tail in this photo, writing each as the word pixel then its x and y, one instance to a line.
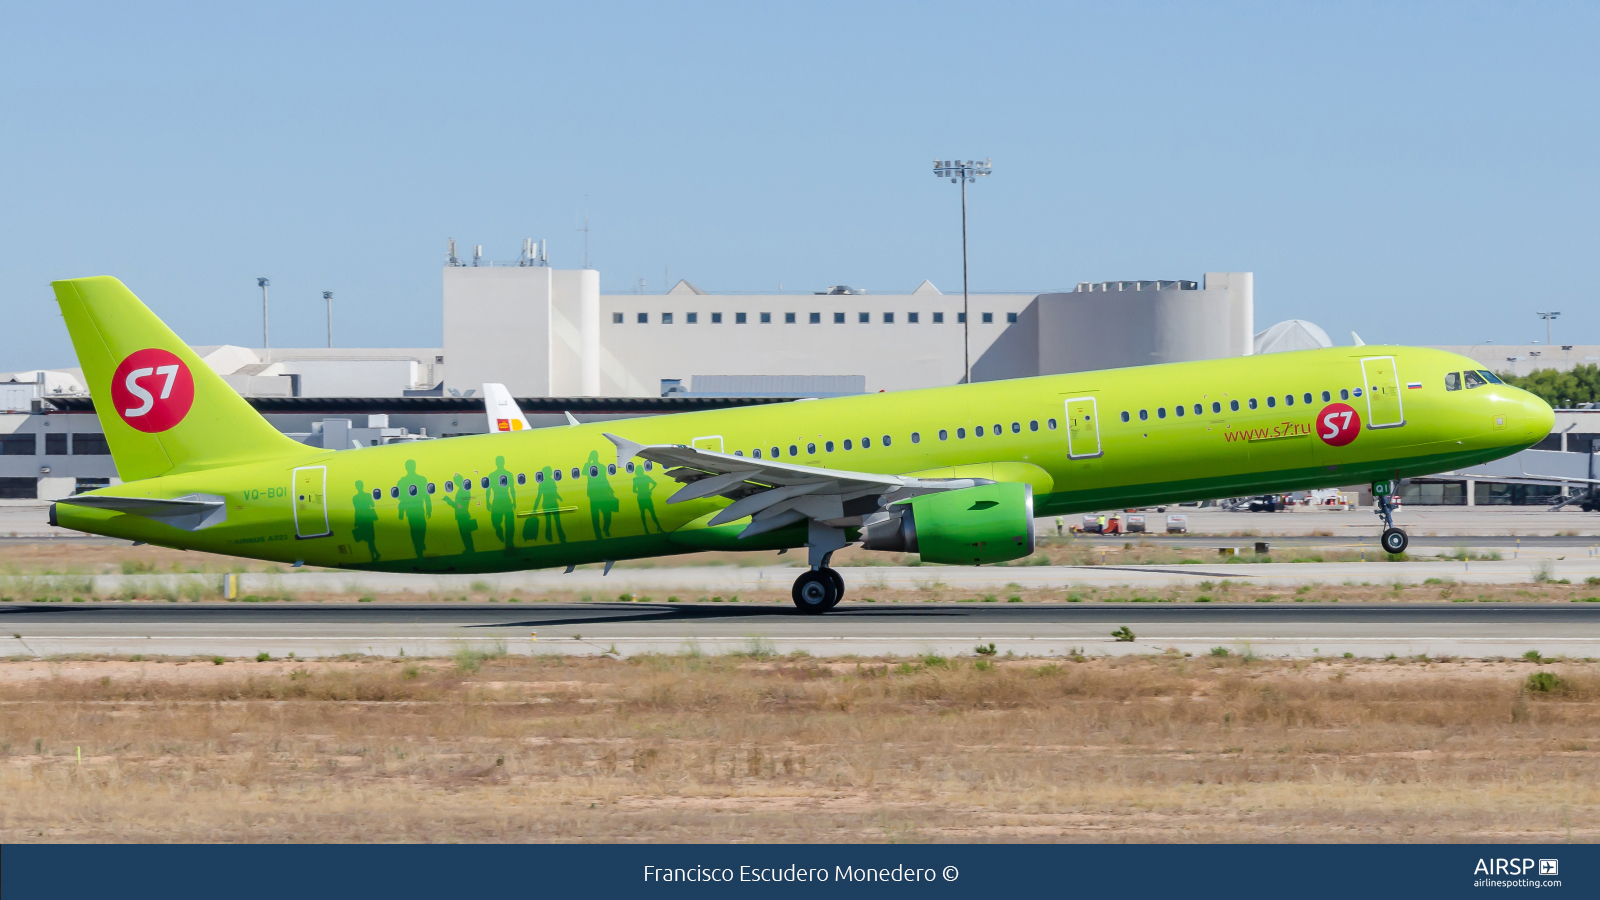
pixel 1338 424
pixel 152 390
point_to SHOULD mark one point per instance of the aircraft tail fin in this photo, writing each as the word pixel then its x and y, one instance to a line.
pixel 164 411
pixel 504 413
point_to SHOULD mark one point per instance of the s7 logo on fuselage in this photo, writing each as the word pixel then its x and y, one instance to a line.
pixel 1338 424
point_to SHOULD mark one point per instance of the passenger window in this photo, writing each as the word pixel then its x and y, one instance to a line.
pixel 1199 408
pixel 1288 399
pixel 1490 376
pixel 485 484
pixel 735 453
pixel 1325 397
pixel 756 453
pixel 961 434
pixel 1178 409
pixel 1344 394
pixel 611 469
pixel 629 467
pixel 1307 398
pixel 538 478
pixel 828 446
pixel 997 429
pixel 1474 380
pixel 1124 416
pixel 1272 402
pixel 523 479
pixel 865 443
pixel 977 432
pixel 916 438
pixel 1252 403
pixel 1216 406
pixel 557 473
pixel 1052 424
pixel 576 472
pixel 1144 415
pixel 793 450
pixel 775 453
pixel 377 493
pixel 1161 412
pixel 847 443
pixel 1034 424
pixel 1233 405
pixel 648 465
pixel 944 435
pixel 1452 381
pixel 1016 427
pixel 887 440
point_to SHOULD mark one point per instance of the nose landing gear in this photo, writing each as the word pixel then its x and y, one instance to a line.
pixel 1394 540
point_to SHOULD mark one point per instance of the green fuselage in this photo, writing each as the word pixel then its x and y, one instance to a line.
pixel 1063 434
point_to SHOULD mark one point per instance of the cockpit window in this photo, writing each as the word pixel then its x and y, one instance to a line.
pixel 1490 376
pixel 1474 380
pixel 1452 381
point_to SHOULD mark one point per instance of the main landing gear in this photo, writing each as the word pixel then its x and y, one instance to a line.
pixel 1394 540
pixel 818 590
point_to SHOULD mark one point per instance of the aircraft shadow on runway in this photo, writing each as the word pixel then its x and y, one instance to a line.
pixel 700 613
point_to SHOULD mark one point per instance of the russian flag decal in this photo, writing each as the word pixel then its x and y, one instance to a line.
pixel 1413 384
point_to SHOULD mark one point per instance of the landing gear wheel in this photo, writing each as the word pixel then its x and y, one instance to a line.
pixel 838 586
pixel 815 592
pixel 1394 540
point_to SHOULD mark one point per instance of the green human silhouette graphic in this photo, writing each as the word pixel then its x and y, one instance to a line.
pixel 462 503
pixel 643 487
pixel 503 503
pixel 366 520
pixel 416 506
pixel 546 502
pixel 602 499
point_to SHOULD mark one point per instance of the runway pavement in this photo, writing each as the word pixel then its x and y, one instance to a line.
pixel 1039 630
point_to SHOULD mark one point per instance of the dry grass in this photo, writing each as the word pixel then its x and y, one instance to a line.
pixel 746 749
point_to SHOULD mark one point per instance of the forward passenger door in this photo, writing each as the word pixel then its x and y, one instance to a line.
pixel 1381 382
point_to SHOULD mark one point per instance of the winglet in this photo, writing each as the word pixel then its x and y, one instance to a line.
pixel 570 419
pixel 626 449
pixel 1357 338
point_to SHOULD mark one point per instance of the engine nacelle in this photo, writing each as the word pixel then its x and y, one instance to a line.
pixel 988 523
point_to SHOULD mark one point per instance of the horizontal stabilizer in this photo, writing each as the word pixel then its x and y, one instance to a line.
pixel 191 513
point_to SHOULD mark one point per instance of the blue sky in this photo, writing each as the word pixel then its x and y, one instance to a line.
pixel 1421 173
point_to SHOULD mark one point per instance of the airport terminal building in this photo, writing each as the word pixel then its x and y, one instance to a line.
pixel 559 345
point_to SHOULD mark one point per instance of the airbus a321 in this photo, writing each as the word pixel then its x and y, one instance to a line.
pixel 955 474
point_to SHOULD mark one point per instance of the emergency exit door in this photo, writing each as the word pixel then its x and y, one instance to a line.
pixel 1083 428
pixel 311 502
pixel 1381 383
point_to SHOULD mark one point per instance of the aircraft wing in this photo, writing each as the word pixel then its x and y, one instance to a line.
pixel 191 513
pixel 775 494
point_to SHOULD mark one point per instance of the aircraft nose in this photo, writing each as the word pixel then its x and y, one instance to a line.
pixel 1540 417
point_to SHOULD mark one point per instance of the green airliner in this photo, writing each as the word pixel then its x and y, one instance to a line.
pixel 956 474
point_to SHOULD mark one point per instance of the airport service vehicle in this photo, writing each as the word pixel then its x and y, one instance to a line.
pixel 956 474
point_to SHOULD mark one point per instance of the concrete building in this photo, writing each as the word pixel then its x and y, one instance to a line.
pixel 1524 359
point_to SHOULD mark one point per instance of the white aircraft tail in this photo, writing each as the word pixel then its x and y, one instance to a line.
pixel 504 414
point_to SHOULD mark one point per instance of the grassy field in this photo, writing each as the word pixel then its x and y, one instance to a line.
pixel 756 748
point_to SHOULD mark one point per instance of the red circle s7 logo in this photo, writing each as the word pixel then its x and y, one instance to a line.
pixel 152 390
pixel 1338 424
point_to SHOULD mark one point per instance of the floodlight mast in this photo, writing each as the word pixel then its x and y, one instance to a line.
pixel 1547 316
pixel 965 173
pixel 266 343
pixel 328 296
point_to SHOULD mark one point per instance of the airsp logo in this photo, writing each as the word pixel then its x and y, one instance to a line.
pixel 1338 424
pixel 152 390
